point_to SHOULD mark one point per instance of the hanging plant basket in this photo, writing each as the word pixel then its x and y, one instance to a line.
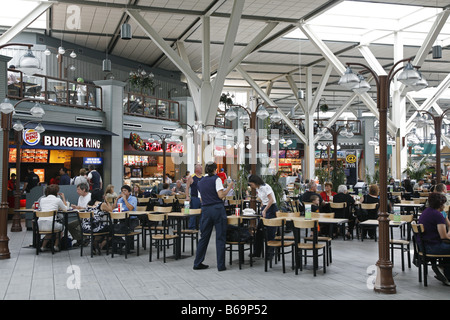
pixel 324 107
pixel 226 99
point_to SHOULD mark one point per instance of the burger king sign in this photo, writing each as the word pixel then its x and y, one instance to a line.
pixel 31 137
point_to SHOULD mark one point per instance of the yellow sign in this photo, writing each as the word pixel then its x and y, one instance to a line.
pixel 351 158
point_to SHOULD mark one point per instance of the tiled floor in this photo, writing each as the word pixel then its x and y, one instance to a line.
pixel 26 276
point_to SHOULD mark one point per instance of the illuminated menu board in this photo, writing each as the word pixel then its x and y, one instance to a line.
pixel 29 155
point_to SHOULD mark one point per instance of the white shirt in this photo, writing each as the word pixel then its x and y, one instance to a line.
pixel 80 179
pixel 84 200
pixel 263 194
pixel 219 186
pixel 50 203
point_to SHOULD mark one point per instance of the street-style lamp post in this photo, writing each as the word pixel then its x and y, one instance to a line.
pixel 409 76
pixel 251 116
pixel 334 130
pixel 163 138
pixel 437 130
pixel 7 108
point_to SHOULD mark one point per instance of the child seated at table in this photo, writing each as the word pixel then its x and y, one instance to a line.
pixel 315 206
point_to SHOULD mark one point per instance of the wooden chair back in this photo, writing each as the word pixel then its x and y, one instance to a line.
pixel 404 217
pixel 338 205
pixel 85 214
pixel 162 209
pixel 156 217
pixel 120 215
pixel 169 200
pixel 328 215
pixel 417 228
pixel 281 214
pixel 277 222
pixel 234 220
pixel 369 206
pixel 305 224
pixel 407 201
pixel 195 211
pixel 419 201
pixel 143 200
pixel 235 202
pixel 44 214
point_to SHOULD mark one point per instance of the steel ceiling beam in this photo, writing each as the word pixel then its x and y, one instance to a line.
pixel 340 68
pixel 269 101
pixel 8 35
pixel 159 41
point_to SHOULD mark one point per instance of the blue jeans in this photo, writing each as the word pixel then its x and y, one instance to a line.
pixel 195 204
pixel 213 216
pixel 441 248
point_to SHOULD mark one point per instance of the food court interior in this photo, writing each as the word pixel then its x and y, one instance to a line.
pixel 352 93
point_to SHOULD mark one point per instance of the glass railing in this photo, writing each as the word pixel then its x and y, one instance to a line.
pixel 54 90
pixel 136 104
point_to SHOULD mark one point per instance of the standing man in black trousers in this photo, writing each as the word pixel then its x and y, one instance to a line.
pixel 212 194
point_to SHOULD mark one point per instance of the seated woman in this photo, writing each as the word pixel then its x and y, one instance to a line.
pixel 100 209
pixel 372 197
pixel 110 194
pixel 137 192
pixel 343 196
pixel 328 194
pixel 51 202
pixel 436 237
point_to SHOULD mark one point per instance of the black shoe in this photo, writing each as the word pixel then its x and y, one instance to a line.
pixel 440 274
pixel 222 269
pixel 201 266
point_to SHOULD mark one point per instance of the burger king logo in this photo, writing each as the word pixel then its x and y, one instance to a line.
pixel 31 137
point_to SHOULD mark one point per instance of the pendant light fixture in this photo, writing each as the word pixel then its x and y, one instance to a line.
pixel 125 31
pixel 437 51
pixel 106 65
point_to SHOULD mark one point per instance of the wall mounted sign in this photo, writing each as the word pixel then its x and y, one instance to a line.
pixel 73 142
pixel 92 160
pixel 31 137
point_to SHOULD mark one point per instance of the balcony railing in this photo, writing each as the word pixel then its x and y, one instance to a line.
pixel 353 125
pixel 54 91
pixel 137 104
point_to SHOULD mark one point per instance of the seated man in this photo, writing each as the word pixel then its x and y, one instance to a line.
pixel 128 201
pixel 165 191
pixel 179 187
pixel 312 190
pixel 84 196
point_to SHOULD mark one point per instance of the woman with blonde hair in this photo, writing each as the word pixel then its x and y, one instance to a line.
pixel 110 195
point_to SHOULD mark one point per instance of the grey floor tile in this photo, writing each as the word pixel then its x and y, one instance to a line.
pixel 29 277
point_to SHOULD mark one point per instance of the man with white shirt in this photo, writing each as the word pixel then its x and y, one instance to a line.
pixel 84 196
pixel 83 200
